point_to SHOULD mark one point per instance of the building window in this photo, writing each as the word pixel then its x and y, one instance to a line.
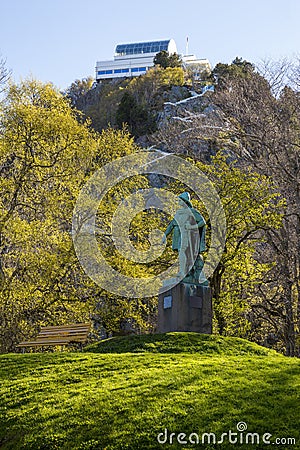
pixel 141 47
pixel 138 69
pixel 105 72
pixel 121 70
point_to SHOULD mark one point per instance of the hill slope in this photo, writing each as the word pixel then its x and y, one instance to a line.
pixel 178 342
pixel 125 400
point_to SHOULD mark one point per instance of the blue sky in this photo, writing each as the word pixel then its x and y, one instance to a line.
pixel 60 40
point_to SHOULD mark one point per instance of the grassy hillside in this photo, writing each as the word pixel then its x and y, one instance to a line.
pixel 180 343
pixel 182 382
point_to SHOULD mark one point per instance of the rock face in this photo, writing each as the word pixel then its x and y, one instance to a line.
pixel 189 126
pixel 108 94
pixel 182 115
pixel 182 109
pixel 176 93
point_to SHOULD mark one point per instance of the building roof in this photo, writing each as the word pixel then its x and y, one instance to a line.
pixel 145 47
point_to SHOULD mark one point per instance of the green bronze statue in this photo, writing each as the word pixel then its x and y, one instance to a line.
pixel 189 229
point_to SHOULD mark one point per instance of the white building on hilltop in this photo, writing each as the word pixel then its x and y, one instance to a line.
pixel 136 58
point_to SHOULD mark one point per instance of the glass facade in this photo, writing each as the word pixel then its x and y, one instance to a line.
pixel 143 47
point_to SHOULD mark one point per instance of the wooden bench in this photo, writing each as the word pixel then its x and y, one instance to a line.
pixel 59 335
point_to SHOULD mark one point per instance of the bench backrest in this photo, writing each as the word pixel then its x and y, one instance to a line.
pixel 78 331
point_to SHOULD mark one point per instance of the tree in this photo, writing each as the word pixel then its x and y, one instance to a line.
pixel 44 154
pixel 223 73
pixel 262 131
pixel 101 103
pixel 253 209
pixel 143 97
pixel 254 128
pixel 277 73
pixel 164 60
pixel 266 129
pixel 137 117
pixel 47 151
pixel 79 88
pixel 4 74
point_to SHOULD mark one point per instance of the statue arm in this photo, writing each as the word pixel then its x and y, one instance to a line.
pixel 200 220
pixel 170 227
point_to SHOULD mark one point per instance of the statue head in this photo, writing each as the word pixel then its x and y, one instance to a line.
pixel 185 196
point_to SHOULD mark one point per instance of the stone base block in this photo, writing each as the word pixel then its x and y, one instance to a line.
pixel 185 307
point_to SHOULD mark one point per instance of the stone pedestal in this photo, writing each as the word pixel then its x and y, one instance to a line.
pixel 185 307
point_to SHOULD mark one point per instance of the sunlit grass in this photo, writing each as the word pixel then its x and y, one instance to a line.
pixel 123 400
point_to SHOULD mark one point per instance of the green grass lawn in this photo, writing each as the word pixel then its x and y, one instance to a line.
pixel 123 392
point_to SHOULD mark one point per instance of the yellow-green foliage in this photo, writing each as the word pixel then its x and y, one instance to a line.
pixel 104 107
pixel 251 205
pixel 46 153
pixel 146 89
pixel 158 77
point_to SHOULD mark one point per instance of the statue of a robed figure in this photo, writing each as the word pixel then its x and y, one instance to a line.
pixel 189 229
pixel 186 305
